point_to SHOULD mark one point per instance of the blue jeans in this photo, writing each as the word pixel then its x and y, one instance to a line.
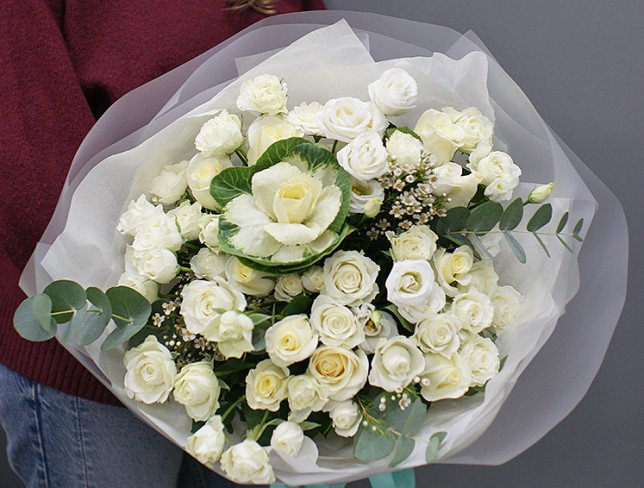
pixel 57 440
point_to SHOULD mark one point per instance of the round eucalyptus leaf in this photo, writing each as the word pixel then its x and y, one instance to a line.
pixel 33 320
pixel 129 308
pixel 66 297
pixel 88 324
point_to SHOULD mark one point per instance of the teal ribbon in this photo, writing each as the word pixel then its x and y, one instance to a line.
pixel 398 479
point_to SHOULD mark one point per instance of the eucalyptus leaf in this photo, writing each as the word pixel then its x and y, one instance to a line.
pixel 577 229
pixel 298 305
pixel 431 454
pixel 307 425
pixel 403 448
pixel 130 311
pixel 88 324
pixel 517 249
pixel 562 222
pixel 407 421
pixel 454 221
pixel 479 245
pixel 484 217
pixel 66 297
pixel 565 244
pixel 540 218
pixel 370 445
pixel 512 215
pixel 32 319
pixel 260 326
pixel 541 243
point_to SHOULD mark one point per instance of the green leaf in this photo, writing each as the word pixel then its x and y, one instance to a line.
pixel 401 320
pixel 517 249
pixel 431 454
pixel 542 244
pixel 261 324
pixel 407 421
pixel 405 130
pixel 130 311
pixel 540 218
pixel 462 240
pixel 512 215
pixel 454 221
pixel 66 297
pixel 230 183
pixel 307 425
pixel 370 446
pixel 479 244
pixel 300 304
pixel 33 320
pixel 565 244
pixel 279 151
pixel 88 324
pixel 403 448
pixel 577 230
pixel 562 223
pixel 232 365
pixel 484 217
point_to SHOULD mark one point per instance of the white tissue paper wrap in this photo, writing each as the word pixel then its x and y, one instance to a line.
pixel 323 55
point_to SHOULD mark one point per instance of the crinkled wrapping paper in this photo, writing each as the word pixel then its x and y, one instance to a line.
pixel 322 55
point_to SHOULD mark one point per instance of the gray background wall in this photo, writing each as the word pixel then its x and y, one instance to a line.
pixel 581 62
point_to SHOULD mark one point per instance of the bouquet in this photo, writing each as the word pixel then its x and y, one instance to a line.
pixel 320 271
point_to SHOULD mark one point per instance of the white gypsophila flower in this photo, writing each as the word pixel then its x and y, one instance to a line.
pixel 419 242
pixel 506 302
pixel 288 287
pixel 313 279
pixel 346 118
pixel 451 183
pixel 290 340
pixel 170 185
pixel 203 302
pixel 477 128
pixel 378 325
pixel 187 217
pixel 158 232
pixel 440 135
pixel 138 212
pixel 342 371
pixel 394 92
pixel 396 363
pixel 264 94
pixel 404 149
pixel 266 130
pixel 146 287
pixel 365 157
pixel 448 378
pixel 482 277
pixel 305 395
pixel 248 280
pixel 207 264
pixel 207 443
pixel 411 287
pixel 438 334
pixel 365 194
pixel 209 231
pixel 247 462
pixel 220 135
pixel 266 386
pixel 474 310
pixel 350 277
pixel 453 268
pixel 335 323
pixel 158 265
pixel 483 357
pixel 499 174
pixel 201 170
pixel 541 193
pixel 234 335
pixel 305 117
pixel 197 388
pixel 345 417
pixel 288 438
pixel 150 372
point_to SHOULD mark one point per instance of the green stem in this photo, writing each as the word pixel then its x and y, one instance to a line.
pixel 335 144
pixel 259 429
pixel 482 233
pixel 62 312
pixel 184 269
pixel 232 407
pixel 241 154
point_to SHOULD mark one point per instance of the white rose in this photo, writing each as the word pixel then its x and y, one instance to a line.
pixel 395 363
pixel 453 268
pixel 288 438
pixel 187 217
pixel 288 287
pixel 405 150
pixel 266 386
pixel 474 309
pixel 350 277
pixel 346 118
pixel 451 183
pixel 305 395
pixel 203 302
pixel 200 173
pixel 235 334
pixel 445 378
pixel 394 92
pixel 411 287
pixel 158 265
pixel 378 325
pixel 345 417
pixel 158 232
pixel 207 264
pixel 265 94
pixel 266 130
pixel 150 372
pixel 290 340
pixel 365 157
pixel 365 194
pixel 482 277
pixel 146 287
pixel 207 443
pixel 343 372
pixel 170 185
pixel 138 212
pixel 336 324
pixel 197 388
pixel 476 127
pixel 305 117
pixel 438 334
pixel 419 242
pixel 483 358
pixel 209 231
pixel 499 173
pixel 440 135
pixel 247 462
pixel 220 135
pixel 313 279
pixel 507 302
pixel 248 280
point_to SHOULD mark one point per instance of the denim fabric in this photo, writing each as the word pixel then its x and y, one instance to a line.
pixel 57 440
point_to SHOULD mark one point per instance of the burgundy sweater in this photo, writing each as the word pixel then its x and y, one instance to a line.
pixel 62 64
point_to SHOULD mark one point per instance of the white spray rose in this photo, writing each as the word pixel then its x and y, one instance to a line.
pixel 394 92
pixel 138 212
pixel 305 117
pixel 417 243
pixel 150 372
pixel 209 231
pixel 247 462
pixel 170 185
pixel 200 173
pixel 482 277
pixel 207 443
pixel 187 217
pixel 248 280
pixel 477 128
pixel 266 130
pixel 335 323
pixel 438 334
pixel 377 325
pixel 483 357
pixel 450 182
pixel 305 395
pixel 500 175
pixel 395 363
pixel 440 135
pixel 235 334
pixel 453 268
pixel 146 287
pixel 288 287
pixel 365 157
pixel 197 388
pixel 445 378
pixel 158 265
pixel 207 264
pixel 350 277
pixel 288 438
pixel 365 195
pixel 265 94
pixel 290 340
pixel 313 279
pixel 405 150
pixel 506 302
pixel 346 118
pixel 345 418
pixel 266 386
pixel 220 135
pixel 342 371
pixel 474 309
pixel 158 232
